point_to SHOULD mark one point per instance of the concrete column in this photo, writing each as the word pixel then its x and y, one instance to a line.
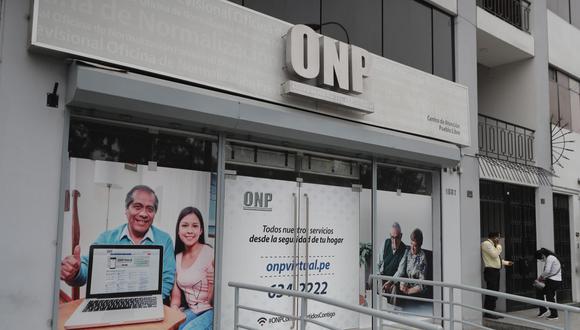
pixel 574 228
pixel 466 74
pixel 450 234
pixel 31 140
pixel 541 113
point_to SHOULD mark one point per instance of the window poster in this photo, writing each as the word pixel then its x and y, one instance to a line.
pixel 406 251
pixel 293 236
pixel 141 190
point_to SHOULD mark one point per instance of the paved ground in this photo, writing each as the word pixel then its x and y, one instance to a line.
pixel 530 314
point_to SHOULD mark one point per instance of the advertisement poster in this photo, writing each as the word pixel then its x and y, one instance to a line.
pixel 405 223
pixel 162 213
pixel 259 231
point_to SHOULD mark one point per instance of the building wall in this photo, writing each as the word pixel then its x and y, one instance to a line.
pixel 504 92
pixel 567 182
pixel 31 139
pixel 568 10
pixel 448 5
pixel 564 40
pixel 32 136
pixel 568 175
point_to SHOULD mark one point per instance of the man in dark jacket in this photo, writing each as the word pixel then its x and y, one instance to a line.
pixel 393 252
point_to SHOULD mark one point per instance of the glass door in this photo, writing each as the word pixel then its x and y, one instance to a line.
pixel 407 241
pixel 291 221
pixel 331 192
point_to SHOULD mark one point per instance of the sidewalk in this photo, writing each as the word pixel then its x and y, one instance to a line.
pixel 530 314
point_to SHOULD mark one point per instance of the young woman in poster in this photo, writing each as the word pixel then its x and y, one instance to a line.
pixel 194 278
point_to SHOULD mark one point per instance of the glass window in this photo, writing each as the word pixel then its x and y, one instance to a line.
pixel 442 45
pixel 565 116
pixel 575 13
pixel 560 8
pixel 361 22
pixel 110 161
pixel 554 101
pixel 98 141
pixel 564 100
pixel 103 142
pixel 404 219
pixel 407 33
pixel 562 79
pixel 575 106
pixel 404 180
pixel 184 152
pixel 293 11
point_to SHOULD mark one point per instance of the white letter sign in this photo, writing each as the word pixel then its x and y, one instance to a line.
pixel 359 68
pixel 307 52
pixel 302 53
pixel 335 61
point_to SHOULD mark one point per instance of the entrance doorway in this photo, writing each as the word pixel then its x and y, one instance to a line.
pixel 291 221
pixel 510 210
pixel 562 245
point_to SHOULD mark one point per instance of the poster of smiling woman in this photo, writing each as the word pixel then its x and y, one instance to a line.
pixel 133 187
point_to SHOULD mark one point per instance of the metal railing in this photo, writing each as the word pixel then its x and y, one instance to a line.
pixel 515 12
pixel 301 316
pixel 505 141
pixel 450 303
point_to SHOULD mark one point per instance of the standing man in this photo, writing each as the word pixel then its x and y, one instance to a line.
pixel 492 261
pixel 393 252
pixel 140 208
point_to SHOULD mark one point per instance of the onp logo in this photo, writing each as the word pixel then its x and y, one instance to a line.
pixel 257 201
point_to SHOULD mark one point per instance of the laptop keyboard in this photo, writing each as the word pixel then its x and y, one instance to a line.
pixel 120 303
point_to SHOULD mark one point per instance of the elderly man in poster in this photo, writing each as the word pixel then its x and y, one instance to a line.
pixel 393 251
pixel 141 205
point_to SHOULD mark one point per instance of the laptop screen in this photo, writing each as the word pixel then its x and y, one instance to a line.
pixel 124 270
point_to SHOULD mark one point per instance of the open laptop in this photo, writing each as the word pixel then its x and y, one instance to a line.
pixel 123 286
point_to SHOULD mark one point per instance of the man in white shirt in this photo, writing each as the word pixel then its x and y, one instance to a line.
pixel 552 278
pixel 491 254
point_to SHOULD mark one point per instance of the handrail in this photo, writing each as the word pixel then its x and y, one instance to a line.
pixel 505 122
pixel 514 12
pixel 505 141
pixel 329 301
pixel 486 292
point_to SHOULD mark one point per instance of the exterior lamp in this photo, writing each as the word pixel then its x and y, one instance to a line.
pixel 317 27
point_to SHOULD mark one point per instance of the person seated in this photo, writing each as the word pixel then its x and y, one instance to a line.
pixel 194 271
pixel 413 265
pixel 393 251
pixel 141 205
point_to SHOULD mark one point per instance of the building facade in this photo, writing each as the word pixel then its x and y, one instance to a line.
pixel 301 130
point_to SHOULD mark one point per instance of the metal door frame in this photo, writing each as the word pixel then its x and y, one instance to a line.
pixel 566 290
pixel 511 198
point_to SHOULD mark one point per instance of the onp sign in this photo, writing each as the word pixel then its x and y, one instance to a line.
pixel 307 52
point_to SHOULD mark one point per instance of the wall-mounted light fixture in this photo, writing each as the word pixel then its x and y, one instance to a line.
pixel 52 98
pixel 318 27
